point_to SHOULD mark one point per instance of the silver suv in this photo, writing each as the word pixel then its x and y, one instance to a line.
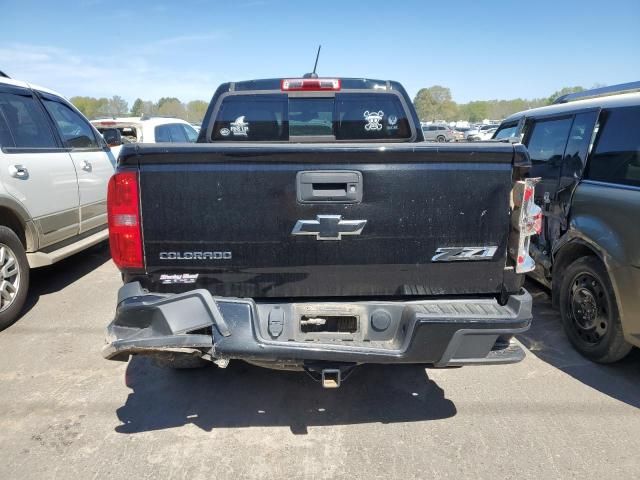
pixel 438 133
pixel 54 169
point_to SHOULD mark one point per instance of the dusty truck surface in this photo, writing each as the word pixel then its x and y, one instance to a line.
pixel 312 228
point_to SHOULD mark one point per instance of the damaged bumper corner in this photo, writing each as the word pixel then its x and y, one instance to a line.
pixel 441 333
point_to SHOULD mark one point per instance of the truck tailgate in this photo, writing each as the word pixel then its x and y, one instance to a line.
pixel 241 220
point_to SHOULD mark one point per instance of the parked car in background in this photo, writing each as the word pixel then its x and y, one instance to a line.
pixel 587 152
pixel 438 133
pixel 483 132
pixel 118 131
pixel 471 133
pixel 460 132
pixel 487 134
pixel 54 170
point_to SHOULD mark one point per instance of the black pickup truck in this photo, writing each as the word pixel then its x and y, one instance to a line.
pixel 312 228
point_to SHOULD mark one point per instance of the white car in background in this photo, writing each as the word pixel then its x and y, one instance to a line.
pixel 54 170
pixel 483 132
pixel 117 131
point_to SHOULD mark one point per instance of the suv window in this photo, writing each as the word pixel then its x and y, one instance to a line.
pixel 190 132
pixel 506 131
pixel 171 133
pixel 25 123
pixel 177 133
pixel 548 139
pixel 616 157
pixel 76 132
pixel 6 139
pixel 128 134
pixel 161 132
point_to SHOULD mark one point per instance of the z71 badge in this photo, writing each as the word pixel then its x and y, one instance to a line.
pixel 455 254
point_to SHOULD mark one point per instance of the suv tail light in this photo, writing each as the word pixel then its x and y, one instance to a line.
pixel 526 221
pixel 123 207
pixel 310 84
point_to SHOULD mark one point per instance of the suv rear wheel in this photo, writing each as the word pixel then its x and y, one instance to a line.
pixel 14 277
pixel 590 313
pixel 441 138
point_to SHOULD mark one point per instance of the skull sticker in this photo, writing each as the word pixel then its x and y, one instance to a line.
pixel 374 120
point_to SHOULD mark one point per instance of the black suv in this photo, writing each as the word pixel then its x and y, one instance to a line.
pixel 586 150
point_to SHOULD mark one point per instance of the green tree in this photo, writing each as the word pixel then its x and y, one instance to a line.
pixel 149 108
pixel 116 106
pixel 196 110
pixel 91 107
pixel 474 111
pixel 137 109
pixel 435 103
pixel 164 100
pixel 172 107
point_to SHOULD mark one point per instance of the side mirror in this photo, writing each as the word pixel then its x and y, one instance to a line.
pixel 113 137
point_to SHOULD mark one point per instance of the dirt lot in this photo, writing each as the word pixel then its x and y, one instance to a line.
pixel 67 413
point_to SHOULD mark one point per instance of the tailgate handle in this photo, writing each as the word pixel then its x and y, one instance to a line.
pixel 336 186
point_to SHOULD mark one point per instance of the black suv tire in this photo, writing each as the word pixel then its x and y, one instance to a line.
pixel 12 312
pixel 590 313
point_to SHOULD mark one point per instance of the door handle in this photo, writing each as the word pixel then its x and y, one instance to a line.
pixel 86 165
pixel 334 186
pixel 18 171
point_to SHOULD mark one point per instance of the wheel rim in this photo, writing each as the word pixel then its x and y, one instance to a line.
pixel 589 309
pixel 441 139
pixel 9 277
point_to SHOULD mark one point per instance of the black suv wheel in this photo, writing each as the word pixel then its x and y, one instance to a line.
pixel 590 313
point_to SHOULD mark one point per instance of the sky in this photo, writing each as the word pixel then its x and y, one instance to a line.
pixel 479 49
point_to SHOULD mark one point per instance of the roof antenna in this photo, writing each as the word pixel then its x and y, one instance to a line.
pixel 315 65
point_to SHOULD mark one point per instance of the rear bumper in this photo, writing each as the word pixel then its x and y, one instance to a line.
pixel 442 333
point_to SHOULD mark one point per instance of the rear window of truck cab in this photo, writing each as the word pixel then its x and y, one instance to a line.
pixel 339 117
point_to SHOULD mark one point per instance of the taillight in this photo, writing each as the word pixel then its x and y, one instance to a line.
pixel 310 84
pixel 527 221
pixel 123 207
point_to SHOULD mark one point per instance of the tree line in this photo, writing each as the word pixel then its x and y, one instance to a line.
pixel 436 103
pixel 117 106
pixel 432 103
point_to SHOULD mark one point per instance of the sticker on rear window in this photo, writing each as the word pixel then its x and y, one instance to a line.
pixel 392 122
pixel 239 128
pixel 374 120
pixel 225 132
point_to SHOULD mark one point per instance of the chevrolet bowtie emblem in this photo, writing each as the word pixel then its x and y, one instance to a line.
pixel 328 227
